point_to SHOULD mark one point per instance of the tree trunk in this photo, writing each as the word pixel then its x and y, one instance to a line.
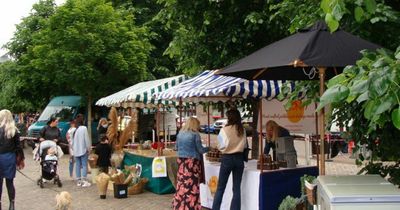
pixel 89 117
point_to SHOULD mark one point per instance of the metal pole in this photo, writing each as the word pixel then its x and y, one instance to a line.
pixel 321 113
pixel 260 139
pixel 208 125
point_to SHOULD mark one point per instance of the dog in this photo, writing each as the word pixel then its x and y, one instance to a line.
pixel 63 201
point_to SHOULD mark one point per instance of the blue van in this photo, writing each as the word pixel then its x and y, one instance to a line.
pixel 65 108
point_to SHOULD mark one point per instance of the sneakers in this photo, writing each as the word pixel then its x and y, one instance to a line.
pixel 80 183
pixel 86 184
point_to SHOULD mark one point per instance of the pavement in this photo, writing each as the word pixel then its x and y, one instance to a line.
pixel 29 196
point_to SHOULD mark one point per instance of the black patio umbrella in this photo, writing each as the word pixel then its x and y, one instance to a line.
pixel 302 56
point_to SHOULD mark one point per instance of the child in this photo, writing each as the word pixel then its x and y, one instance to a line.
pixel 103 150
pixel 51 154
pixel 70 136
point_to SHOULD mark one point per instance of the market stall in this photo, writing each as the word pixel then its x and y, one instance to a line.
pixel 256 183
pixel 140 96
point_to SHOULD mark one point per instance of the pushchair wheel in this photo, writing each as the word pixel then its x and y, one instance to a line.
pixel 40 183
pixel 59 184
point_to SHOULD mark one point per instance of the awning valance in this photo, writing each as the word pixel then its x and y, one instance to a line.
pixel 140 95
pixel 207 86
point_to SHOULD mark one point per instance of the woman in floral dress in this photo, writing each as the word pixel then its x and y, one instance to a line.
pixel 190 151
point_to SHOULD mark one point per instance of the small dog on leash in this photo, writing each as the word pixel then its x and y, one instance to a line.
pixel 63 201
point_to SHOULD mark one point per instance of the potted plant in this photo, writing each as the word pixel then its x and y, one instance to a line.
pixel 308 186
pixel 289 203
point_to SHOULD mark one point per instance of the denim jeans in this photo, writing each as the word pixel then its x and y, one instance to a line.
pixel 71 166
pixel 81 164
pixel 229 163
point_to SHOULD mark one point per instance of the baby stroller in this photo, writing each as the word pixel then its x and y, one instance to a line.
pixel 48 163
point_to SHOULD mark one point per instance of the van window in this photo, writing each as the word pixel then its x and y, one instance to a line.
pixel 63 113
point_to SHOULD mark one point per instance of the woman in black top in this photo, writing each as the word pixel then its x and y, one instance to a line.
pixel 11 154
pixel 102 128
pixel 103 150
pixel 50 131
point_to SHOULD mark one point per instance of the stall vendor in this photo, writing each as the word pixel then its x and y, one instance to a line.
pixel 273 132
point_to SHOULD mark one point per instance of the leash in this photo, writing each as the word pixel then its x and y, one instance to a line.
pixel 29 178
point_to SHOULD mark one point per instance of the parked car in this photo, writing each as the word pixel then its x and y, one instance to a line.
pixel 207 129
pixel 219 124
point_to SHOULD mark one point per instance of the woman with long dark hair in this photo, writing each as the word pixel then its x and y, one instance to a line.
pixel 231 143
pixel 11 154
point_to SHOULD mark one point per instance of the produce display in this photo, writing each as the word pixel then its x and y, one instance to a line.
pixel 214 155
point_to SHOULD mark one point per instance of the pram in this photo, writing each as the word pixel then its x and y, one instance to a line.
pixel 48 167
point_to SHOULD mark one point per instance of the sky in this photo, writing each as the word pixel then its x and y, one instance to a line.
pixel 11 13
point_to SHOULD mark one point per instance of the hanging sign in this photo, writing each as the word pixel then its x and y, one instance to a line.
pixel 159 167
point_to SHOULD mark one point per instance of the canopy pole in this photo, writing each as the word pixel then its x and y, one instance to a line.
pixel 208 125
pixel 158 130
pixel 321 115
pixel 260 139
pixel 180 113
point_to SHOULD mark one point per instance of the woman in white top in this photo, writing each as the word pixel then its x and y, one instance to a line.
pixel 70 137
pixel 81 146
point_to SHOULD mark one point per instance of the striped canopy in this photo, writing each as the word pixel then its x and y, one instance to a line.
pixel 208 86
pixel 140 95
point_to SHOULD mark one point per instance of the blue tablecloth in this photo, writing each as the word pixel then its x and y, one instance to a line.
pixel 277 184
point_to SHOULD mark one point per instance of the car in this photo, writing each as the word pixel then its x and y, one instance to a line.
pixel 219 124
pixel 207 129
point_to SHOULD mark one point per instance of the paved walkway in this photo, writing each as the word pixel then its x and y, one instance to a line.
pixel 31 197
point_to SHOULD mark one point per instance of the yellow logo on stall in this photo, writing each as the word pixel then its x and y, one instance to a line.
pixel 212 184
pixel 296 112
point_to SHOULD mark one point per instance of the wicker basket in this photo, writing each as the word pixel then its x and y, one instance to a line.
pixel 138 188
pixel 93 160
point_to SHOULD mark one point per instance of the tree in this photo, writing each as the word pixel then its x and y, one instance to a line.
pixel 9 99
pixel 365 97
pixel 85 47
pixel 159 65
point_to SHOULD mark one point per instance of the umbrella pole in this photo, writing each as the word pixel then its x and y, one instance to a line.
pixel 321 115
pixel 260 139
pixel 208 125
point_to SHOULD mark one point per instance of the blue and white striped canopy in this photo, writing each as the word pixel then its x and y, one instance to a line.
pixel 208 86
pixel 140 95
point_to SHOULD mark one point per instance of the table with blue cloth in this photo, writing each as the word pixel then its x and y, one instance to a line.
pixel 264 191
pixel 275 185
pixel 160 185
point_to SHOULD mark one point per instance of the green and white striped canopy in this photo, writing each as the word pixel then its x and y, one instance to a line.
pixel 141 94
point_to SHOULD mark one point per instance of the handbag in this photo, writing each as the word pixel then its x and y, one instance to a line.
pixel 246 152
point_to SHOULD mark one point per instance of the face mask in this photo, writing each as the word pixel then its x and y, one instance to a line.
pixel 105 126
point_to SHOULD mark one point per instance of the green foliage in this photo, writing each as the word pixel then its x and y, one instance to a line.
pixel 309 179
pixel 371 88
pixel 83 47
pixel 289 203
pixel 213 34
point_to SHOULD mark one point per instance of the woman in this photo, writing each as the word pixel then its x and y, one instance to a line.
pixel 102 128
pixel 81 146
pixel 231 143
pixel 274 131
pixel 103 150
pixel 11 154
pixel 190 153
pixel 69 136
pixel 50 131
